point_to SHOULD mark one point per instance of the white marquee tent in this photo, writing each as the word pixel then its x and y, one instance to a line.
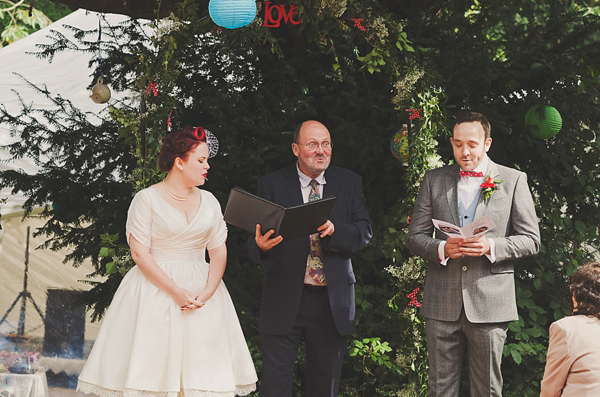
pixel 68 75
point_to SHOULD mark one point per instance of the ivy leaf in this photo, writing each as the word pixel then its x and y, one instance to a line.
pixel 535 332
pixel 525 293
pixel 533 315
pixel 516 356
pixel 514 326
pixel 111 268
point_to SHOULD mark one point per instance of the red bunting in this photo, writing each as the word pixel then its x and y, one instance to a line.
pixel 358 23
pixel 152 86
pixel 413 298
pixel 414 113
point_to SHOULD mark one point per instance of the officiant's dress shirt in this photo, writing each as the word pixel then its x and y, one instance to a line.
pixel 305 183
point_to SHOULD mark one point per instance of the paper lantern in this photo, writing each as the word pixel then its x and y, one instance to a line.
pixel 399 145
pixel 543 121
pixel 232 14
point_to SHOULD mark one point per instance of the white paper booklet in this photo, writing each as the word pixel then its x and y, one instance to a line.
pixel 479 226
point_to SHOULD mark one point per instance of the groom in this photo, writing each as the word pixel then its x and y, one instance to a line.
pixel 469 290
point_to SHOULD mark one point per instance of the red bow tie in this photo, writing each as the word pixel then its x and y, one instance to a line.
pixel 471 173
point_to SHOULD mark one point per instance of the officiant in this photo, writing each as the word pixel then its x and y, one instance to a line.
pixel 308 290
pixel 469 293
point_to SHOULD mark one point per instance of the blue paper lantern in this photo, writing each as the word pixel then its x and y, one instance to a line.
pixel 232 14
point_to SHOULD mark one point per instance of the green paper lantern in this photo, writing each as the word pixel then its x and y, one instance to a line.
pixel 543 121
pixel 232 14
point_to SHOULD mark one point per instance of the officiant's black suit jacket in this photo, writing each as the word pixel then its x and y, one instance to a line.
pixel 286 262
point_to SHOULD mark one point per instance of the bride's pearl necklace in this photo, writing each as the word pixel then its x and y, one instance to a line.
pixel 174 195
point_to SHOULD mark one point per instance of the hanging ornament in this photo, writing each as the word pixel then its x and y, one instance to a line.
pixel 399 145
pixel 232 14
pixel 100 91
pixel 543 121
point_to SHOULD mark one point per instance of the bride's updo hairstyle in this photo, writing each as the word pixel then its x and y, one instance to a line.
pixel 179 144
pixel 585 289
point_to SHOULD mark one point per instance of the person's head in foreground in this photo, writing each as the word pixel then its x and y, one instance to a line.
pixel 585 290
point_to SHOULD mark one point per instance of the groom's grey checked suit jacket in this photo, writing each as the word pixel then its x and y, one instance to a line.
pixel 486 290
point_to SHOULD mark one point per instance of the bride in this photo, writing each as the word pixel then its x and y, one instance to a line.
pixel 171 328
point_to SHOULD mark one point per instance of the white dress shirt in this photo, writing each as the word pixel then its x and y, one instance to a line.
pixel 305 184
pixel 468 188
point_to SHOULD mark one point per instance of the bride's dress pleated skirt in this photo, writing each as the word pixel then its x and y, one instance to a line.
pixel 148 347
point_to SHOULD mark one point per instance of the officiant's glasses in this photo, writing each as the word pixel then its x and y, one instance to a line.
pixel 312 146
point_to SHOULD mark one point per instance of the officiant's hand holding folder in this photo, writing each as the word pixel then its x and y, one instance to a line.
pixel 245 210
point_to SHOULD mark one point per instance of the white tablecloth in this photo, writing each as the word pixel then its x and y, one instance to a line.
pixel 20 385
pixel 70 366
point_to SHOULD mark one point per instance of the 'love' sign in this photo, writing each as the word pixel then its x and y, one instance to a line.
pixel 275 13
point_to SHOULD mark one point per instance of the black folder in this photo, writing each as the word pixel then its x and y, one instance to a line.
pixel 245 210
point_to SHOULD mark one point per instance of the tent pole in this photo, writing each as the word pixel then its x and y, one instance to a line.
pixel 23 295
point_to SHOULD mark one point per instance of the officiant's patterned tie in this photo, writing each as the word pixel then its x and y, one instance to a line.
pixel 316 269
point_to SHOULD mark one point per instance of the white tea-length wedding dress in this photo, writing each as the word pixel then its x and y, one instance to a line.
pixel 147 346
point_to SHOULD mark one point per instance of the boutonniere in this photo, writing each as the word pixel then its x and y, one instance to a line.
pixel 488 187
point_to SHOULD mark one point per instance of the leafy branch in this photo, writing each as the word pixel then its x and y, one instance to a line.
pixel 18 20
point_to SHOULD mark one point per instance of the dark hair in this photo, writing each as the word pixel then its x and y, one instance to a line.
pixel 469 117
pixel 585 289
pixel 179 144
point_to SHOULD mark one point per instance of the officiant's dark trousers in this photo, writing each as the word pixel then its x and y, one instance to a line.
pixel 325 349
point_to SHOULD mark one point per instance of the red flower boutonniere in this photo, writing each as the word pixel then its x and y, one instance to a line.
pixel 488 187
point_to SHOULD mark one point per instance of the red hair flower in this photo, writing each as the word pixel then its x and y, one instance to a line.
pixel 200 134
pixel 488 187
pixel 204 135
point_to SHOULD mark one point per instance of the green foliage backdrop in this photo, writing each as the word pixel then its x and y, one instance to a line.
pixel 19 19
pixel 251 86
